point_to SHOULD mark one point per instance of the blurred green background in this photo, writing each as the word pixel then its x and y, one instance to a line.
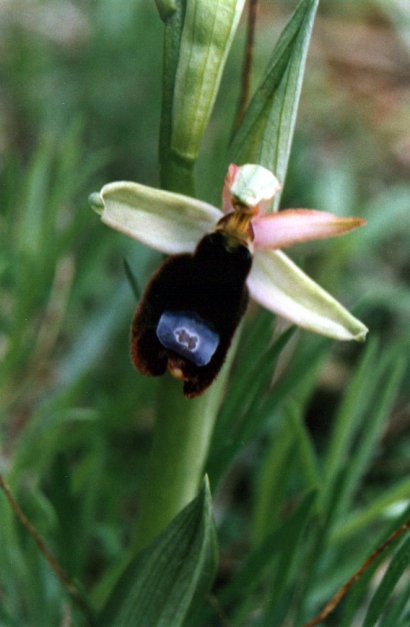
pixel 80 92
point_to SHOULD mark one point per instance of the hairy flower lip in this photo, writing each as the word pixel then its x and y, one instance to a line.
pixel 173 223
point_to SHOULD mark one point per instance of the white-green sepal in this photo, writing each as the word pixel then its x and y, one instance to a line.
pixel 168 222
pixel 279 285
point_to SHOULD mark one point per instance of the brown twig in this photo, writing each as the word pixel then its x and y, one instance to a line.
pixel 336 598
pixel 54 565
pixel 248 60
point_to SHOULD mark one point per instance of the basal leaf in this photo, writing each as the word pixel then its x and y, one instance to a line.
pixel 266 133
pixel 161 583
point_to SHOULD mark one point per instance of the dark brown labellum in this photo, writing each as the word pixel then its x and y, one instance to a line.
pixel 189 312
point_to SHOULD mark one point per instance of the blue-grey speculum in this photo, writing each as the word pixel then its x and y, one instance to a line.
pixel 188 335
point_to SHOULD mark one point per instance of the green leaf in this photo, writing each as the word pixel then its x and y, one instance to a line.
pixel 394 615
pixel 239 422
pixel 347 421
pixel 289 449
pixel 266 133
pixel 291 553
pixel 373 511
pixel 277 543
pixel 272 481
pixel 387 380
pixel 383 593
pixel 207 35
pixel 163 583
pixel 306 451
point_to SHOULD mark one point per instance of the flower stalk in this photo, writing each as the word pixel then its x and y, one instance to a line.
pixel 176 466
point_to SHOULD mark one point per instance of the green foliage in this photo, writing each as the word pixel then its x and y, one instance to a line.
pixel 305 443
pixel 383 593
pixel 160 585
pixel 207 34
pixel 266 133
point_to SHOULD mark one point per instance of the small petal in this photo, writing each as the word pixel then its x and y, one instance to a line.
pixel 279 285
pixel 169 222
pixel 252 185
pixel 291 226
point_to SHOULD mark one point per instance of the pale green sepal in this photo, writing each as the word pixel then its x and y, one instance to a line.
pixel 169 222
pixel 279 285
pixel 207 35
pixel 266 132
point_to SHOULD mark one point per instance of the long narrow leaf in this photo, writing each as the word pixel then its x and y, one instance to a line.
pixel 392 616
pixel 254 566
pixel 347 420
pixel 374 511
pixel 291 554
pixel 272 481
pixel 388 377
pixel 383 593
pixel 266 133
pixel 240 425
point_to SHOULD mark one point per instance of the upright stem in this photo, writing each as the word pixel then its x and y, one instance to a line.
pixel 181 442
pixel 183 429
pixel 177 174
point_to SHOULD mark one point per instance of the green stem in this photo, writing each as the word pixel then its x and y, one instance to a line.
pixel 177 175
pixel 176 467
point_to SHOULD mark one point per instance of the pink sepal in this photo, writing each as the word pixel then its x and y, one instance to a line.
pixel 292 226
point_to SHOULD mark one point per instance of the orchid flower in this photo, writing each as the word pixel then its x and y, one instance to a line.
pixel 174 224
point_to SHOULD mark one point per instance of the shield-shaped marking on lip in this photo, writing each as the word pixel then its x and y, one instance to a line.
pixel 185 333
